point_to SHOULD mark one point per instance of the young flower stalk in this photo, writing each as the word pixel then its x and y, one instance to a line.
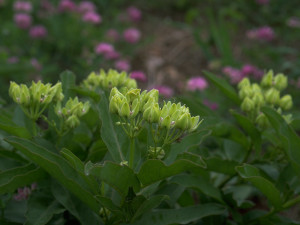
pixel 166 124
pixel 255 96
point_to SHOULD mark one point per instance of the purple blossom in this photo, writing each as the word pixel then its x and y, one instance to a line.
pixel 211 105
pixel 138 75
pixel 132 35
pixel 112 34
pixel 165 91
pixel 293 22
pixel 197 83
pixel 134 13
pixel 104 48
pixel 112 55
pixel 22 20
pixel 86 6
pixel 265 33
pixel 38 32
pixel 122 65
pixel 92 17
pixel 66 6
pixel 235 75
pixel 22 6
pixel 13 60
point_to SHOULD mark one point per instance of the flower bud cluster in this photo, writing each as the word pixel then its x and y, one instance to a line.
pixel 109 80
pixel 35 99
pixel 72 111
pixel 255 96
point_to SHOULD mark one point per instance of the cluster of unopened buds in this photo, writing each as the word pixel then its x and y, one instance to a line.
pixel 108 80
pixel 255 96
pixel 166 123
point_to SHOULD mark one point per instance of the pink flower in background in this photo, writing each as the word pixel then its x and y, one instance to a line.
pixel 66 6
pixel 293 22
pixel 112 55
pixel 112 34
pixel 122 65
pixel 35 63
pixel 197 83
pixel 13 60
pixel 262 2
pixel 211 105
pixel 132 35
pixel 234 74
pixel 23 193
pixel 134 13
pixel 104 48
pixel 22 6
pixel 23 20
pixel 38 32
pixel 138 75
pixel 265 33
pixel 248 70
pixel 165 91
pixel 86 6
pixel 92 17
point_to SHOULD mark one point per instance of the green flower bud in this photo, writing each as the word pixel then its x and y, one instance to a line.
pixel 262 120
pixel 125 109
pixel 149 103
pixel 246 91
pixel 85 108
pixel 135 108
pixel 280 82
pixel 151 114
pixel 272 96
pixel 247 105
pixel 195 122
pixel 133 94
pixel 72 121
pixel 156 153
pixel 165 122
pixel 57 89
pixel 267 80
pixel 288 118
pixel 184 122
pixel 255 88
pixel 130 83
pixel 286 102
pixel 115 103
pixel 25 95
pixel 114 91
pixel 15 92
pixel 244 83
pixel 58 109
pixel 258 99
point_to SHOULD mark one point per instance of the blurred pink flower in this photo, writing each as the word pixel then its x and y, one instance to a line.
pixel 262 2
pixel 112 55
pixel 250 70
pixel 165 91
pixel 138 75
pixel 134 13
pixel 23 193
pixel 265 33
pixel 92 17
pixel 293 22
pixel 38 32
pixel 66 6
pixel 112 34
pixel 13 60
pixel 132 35
pixel 104 48
pixel 35 63
pixel 211 105
pixel 23 20
pixel 22 6
pixel 86 6
pixel 197 83
pixel 122 65
pixel 234 74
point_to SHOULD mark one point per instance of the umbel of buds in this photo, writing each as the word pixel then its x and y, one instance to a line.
pixel 36 98
pixel 167 123
pixel 254 96
pixel 71 112
pixel 108 80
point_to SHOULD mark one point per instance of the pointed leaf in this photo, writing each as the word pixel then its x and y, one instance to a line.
pixel 220 165
pixel 68 82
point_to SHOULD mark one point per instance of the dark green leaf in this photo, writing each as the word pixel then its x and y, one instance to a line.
pixel 7 125
pixel 68 82
pixel 85 92
pixel 221 165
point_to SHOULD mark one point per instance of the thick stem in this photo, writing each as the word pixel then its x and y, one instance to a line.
pixel 131 153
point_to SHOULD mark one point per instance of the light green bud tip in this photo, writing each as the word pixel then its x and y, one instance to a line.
pixel 267 80
pixel 280 82
pixel 262 120
pixel 72 121
pixel 151 114
pixel 286 102
pixel 246 91
pixel 184 122
pixel 243 83
pixel 247 105
pixel 272 96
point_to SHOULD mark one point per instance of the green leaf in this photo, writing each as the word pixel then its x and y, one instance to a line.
pixel 7 125
pixel 73 205
pixel 111 135
pixel 58 168
pixel 225 87
pixel 253 175
pixel 199 183
pixel 182 215
pixel 117 176
pixel 41 208
pixel 250 128
pixel 14 178
pixel 68 83
pixel 220 165
pixel 149 204
pixel 291 141
pixel 87 93
pixel 155 170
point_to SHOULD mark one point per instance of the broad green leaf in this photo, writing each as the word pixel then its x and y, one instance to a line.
pixel 253 175
pixel 225 87
pixel 250 128
pixel 18 177
pixel 11 155
pixel 7 125
pixel 199 183
pixel 186 143
pixel 58 168
pixel 290 139
pixel 73 205
pixel 87 93
pixel 220 165
pixel 68 82
pixel 197 159
pixel 149 204
pixel 109 132
pixel 182 215
pixel 117 176
pixel 41 208
pixel 155 170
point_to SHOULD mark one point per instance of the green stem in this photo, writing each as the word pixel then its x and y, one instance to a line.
pixel 131 153
pixel 291 202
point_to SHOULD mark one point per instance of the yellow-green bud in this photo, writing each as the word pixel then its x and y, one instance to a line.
pixel 272 96
pixel 166 122
pixel 246 91
pixel 262 120
pixel 247 105
pixel 15 92
pixel 125 109
pixel 258 99
pixel 288 118
pixel 58 109
pixel 115 103
pixel 133 94
pixel 135 108
pixel 286 102
pixel 195 122
pixel 25 95
pixel 244 83
pixel 151 114
pixel 280 82
pixel 72 121
pixel 267 80
pixel 184 122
